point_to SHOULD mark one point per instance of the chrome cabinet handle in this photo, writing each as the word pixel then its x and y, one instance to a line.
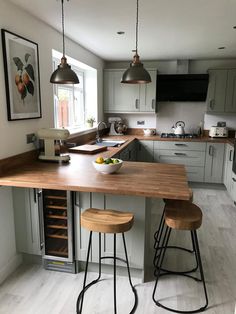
pixel 180 154
pixel 211 150
pixel 212 104
pixel 179 144
pixel 153 103
pixel 41 222
pixel 136 103
pixel 230 155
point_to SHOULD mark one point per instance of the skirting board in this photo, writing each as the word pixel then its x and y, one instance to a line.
pixel 10 267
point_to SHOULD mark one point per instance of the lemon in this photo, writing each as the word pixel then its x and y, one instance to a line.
pixel 99 160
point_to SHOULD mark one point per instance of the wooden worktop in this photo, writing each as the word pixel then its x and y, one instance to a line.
pixel 134 178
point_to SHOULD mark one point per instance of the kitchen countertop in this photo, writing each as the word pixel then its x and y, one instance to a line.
pixel 134 178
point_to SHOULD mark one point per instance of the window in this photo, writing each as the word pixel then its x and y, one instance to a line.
pixel 73 104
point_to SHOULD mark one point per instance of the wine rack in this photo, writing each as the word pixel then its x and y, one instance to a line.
pixel 56 227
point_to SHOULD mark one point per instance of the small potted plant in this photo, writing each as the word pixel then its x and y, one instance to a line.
pixel 90 122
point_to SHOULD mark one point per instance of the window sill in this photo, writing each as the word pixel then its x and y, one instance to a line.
pixel 80 131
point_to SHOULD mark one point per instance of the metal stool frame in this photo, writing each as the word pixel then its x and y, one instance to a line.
pixel 79 304
pixel 160 259
pixel 157 247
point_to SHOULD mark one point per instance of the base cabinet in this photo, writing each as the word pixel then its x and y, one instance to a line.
pixel 228 165
pixel 189 154
pixel 135 238
pixel 145 151
pixel 214 163
pixel 26 215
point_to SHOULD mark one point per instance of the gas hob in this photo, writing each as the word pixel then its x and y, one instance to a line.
pixel 172 135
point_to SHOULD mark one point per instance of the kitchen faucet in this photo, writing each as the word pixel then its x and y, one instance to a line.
pixel 98 138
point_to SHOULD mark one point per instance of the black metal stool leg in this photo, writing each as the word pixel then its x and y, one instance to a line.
pixel 130 281
pixel 79 304
pixel 200 267
pixel 159 269
pixel 114 269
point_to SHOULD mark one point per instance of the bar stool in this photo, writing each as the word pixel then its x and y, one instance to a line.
pixel 157 238
pixel 180 215
pixel 106 221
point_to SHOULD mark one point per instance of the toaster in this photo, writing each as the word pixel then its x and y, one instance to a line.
pixel 218 131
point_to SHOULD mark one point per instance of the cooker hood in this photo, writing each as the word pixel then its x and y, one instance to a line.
pixel 182 87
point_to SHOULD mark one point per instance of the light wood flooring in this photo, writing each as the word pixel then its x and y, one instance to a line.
pixel 33 290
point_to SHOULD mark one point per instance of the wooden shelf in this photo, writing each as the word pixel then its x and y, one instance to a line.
pixel 56 217
pixel 56 207
pixel 57 236
pixel 55 252
pixel 57 227
pixel 56 197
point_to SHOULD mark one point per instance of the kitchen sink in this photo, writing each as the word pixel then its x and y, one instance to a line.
pixel 109 143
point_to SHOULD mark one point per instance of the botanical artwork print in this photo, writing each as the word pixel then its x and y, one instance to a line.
pixel 22 78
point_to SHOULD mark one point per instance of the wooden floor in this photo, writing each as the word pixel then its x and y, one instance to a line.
pixel 33 290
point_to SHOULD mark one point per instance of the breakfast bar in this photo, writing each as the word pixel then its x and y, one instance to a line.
pixel 135 188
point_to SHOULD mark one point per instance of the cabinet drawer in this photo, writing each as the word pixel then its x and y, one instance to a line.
pixel 183 157
pixel 197 146
pixel 147 144
pixel 195 174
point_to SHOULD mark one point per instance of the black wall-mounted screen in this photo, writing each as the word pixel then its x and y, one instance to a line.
pixel 182 87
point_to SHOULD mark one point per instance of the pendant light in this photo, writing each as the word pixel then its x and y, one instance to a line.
pixel 136 74
pixel 64 74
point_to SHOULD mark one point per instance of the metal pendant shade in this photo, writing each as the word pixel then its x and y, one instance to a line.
pixel 64 74
pixel 136 73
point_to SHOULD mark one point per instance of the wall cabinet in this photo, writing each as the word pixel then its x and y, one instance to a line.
pixel 145 151
pixel 190 154
pixel 214 163
pixel 26 215
pixel 221 95
pixel 119 97
pixel 228 164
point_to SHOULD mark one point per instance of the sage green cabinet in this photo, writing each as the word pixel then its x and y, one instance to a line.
pixel 145 151
pixel 221 96
pixel 27 220
pixel 135 238
pixel 189 154
pixel 120 97
pixel 228 165
pixel 214 163
pixel 129 153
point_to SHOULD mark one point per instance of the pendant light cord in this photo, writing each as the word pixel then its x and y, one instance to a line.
pixel 137 27
pixel 63 27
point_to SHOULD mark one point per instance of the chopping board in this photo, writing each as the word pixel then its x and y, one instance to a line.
pixel 88 149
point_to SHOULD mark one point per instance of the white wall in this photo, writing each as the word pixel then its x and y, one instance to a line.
pixel 13 133
pixel 170 112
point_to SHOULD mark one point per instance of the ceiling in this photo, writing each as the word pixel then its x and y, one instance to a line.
pixel 168 29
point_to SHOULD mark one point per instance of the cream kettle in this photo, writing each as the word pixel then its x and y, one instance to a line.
pixel 179 128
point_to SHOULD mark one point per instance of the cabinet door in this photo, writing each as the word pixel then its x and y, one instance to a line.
pixel 145 151
pixel 230 104
pixel 214 163
pixel 228 182
pixel 216 90
pixel 119 97
pixel 233 191
pixel 148 94
pixel 26 215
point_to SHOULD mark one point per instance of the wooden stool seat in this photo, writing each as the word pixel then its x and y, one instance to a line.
pixel 106 221
pixel 183 215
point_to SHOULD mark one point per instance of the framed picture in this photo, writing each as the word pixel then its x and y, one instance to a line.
pixel 21 66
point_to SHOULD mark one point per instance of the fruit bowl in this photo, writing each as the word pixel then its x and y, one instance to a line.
pixel 109 165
